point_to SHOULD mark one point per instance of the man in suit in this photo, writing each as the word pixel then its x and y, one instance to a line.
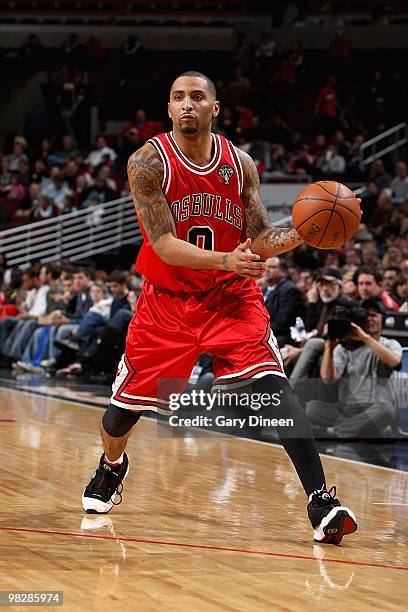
pixel 284 301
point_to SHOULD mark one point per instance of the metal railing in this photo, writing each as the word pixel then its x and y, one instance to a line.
pixel 80 234
pixel 387 142
pixel 73 236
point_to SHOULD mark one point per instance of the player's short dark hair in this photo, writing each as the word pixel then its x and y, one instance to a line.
pixel 367 270
pixel 200 75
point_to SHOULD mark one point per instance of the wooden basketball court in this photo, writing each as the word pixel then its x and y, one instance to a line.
pixel 207 523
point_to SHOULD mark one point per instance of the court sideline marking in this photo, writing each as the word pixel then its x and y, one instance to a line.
pixel 206 547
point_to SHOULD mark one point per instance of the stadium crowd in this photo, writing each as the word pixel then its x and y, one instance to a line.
pixel 65 321
pixel 61 320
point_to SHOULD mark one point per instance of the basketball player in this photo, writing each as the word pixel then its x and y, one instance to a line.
pixel 206 236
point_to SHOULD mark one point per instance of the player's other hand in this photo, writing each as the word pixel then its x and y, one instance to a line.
pixel 244 262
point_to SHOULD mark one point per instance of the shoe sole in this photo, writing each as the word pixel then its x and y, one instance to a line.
pixel 338 523
pixel 92 510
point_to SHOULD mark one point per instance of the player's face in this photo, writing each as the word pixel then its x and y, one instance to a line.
pixel 192 106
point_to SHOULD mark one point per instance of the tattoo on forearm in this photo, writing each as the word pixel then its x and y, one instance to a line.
pixel 145 173
pixel 225 261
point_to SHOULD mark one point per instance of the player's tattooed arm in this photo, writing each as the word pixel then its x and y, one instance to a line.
pixel 267 240
pixel 145 174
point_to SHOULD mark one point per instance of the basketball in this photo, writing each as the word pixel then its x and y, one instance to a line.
pixel 326 214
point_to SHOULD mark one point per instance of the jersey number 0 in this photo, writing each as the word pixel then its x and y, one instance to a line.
pixel 201 236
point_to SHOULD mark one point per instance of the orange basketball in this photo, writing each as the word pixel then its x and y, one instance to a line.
pixel 326 214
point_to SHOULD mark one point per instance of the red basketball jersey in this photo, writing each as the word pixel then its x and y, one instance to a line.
pixel 206 205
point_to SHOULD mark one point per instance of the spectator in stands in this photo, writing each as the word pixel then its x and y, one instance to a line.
pixel 352 260
pixel 379 175
pixel 399 291
pixel 99 192
pixel 266 48
pixel 68 151
pixel 39 172
pixel 16 191
pixel 32 47
pixel 146 128
pixel 131 47
pixel 102 154
pixel 326 108
pixel 369 255
pixel 365 405
pixel 369 285
pixel 390 275
pixel 16 331
pixel 56 189
pixel 284 301
pixel 5 177
pixel 17 155
pixel 399 184
pixel 302 163
pixel 333 165
pixel 42 208
pixel 95 53
pixel 323 297
pixel 242 52
pixel 72 50
pixel 67 319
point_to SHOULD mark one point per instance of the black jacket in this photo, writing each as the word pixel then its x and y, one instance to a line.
pixel 316 318
pixel 284 304
pixel 78 307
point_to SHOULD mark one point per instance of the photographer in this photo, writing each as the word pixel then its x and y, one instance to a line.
pixel 323 297
pixel 362 361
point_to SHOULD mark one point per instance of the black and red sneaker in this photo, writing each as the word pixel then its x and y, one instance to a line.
pixel 330 520
pixel 100 494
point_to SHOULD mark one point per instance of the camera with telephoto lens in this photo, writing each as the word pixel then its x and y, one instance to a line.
pixel 339 326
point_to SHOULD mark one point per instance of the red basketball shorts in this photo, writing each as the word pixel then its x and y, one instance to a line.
pixel 170 331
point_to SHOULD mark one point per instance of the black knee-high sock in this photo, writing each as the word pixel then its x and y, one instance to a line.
pixel 297 440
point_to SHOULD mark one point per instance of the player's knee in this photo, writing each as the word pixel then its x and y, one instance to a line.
pixel 283 401
pixel 117 422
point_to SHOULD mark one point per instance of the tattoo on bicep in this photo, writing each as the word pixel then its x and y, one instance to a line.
pixel 256 217
pixel 145 176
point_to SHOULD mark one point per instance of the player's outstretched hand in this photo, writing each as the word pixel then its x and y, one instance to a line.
pixel 244 262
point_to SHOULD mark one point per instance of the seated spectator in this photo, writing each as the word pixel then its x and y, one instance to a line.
pixel 39 172
pixel 16 191
pixel 352 260
pixel 100 192
pixel 323 297
pixel 42 208
pixel 369 285
pixel 333 165
pixel 302 163
pixel 101 154
pixel 283 299
pixel 5 177
pixel 92 321
pixel 400 292
pixel 146 128
pixel 365 404
pixel 67 152
pixel 399 184
pixel 56 189
pixel 378 175
pixel 16 331
pixel 390 275
pixel 17 155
